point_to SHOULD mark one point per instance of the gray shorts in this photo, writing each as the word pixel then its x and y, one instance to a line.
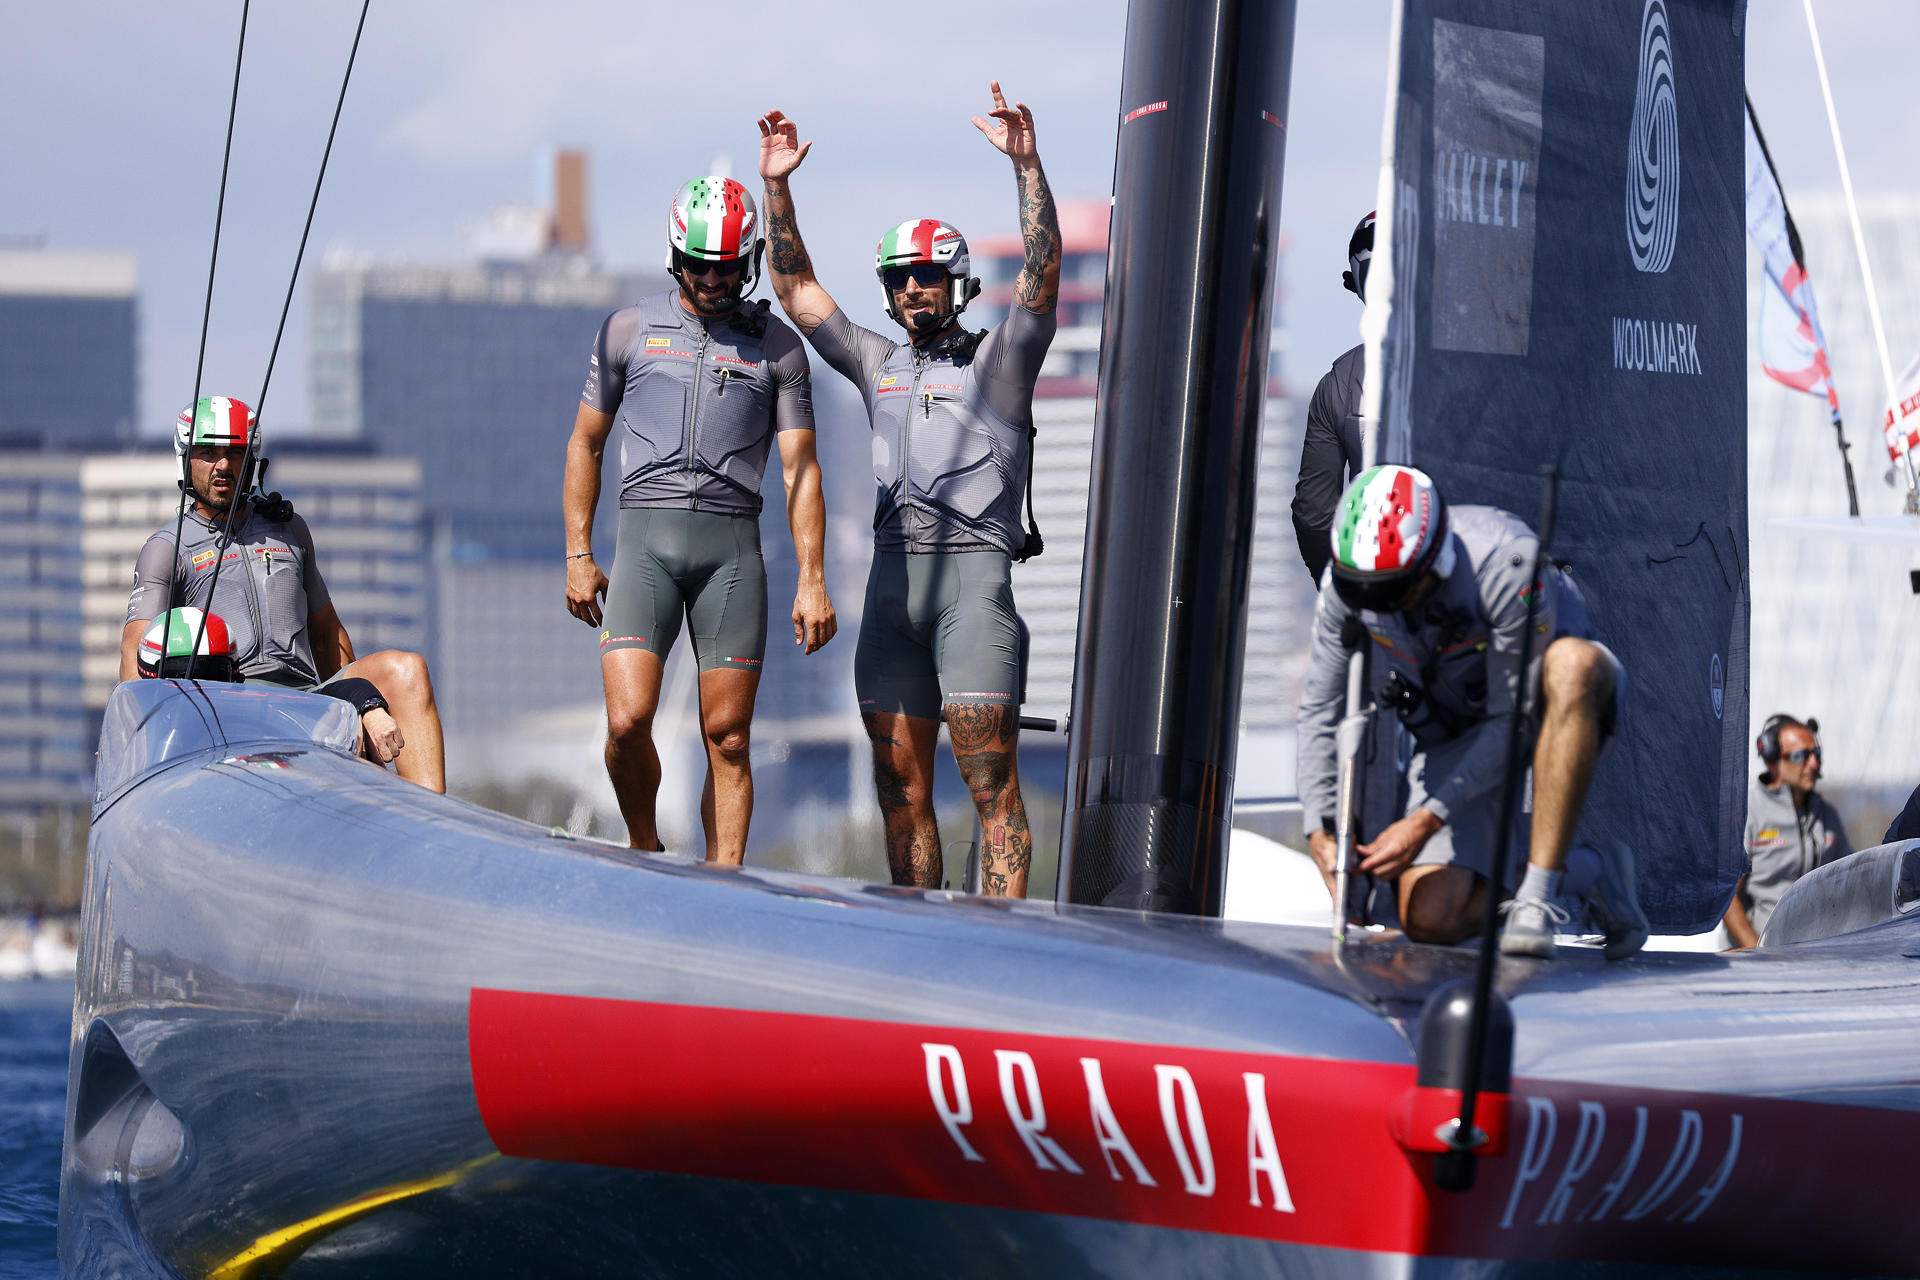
pixel 706 565
pixel 1468 837
pixel 939 628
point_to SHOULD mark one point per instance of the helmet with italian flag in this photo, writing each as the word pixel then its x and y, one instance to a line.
pixel 169 647
pixel 1389 532
pixel 713 220
pixel 927 240
pixel 218 422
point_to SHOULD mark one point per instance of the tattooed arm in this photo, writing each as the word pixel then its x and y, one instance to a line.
pixel 1037 286
pixel 801 297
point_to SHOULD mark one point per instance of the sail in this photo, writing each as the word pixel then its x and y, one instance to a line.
pixel 1565 282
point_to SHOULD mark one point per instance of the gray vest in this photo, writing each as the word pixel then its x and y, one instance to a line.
pixel 697 411
pixel 951 472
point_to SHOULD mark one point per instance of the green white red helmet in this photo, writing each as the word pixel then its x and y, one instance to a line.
pixel 921 240
pixel 713 220
pixel 169 647
pixel 1389 531
pixel 219 422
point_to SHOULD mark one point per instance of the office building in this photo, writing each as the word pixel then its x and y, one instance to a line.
pixel 69 368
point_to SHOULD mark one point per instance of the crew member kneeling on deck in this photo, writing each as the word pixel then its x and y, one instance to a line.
pixel 283 624
pixel 1442 596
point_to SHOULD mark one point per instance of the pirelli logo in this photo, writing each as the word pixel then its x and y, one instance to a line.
pixel 201 559
pixel 659 344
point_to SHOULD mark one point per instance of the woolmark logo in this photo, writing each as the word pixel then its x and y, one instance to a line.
pixel 1653 149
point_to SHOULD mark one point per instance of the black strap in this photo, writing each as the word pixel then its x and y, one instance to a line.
pixel 1035 544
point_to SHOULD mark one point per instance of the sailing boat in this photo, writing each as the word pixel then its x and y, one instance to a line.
pixel 327 1023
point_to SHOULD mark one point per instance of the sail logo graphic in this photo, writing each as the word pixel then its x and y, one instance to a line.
pixel 1653 149
pixel 1717 687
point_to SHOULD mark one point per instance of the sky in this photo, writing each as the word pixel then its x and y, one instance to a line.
pixel 117 113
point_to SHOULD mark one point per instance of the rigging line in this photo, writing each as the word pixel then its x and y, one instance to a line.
pixel 259 407
pixel 1859 236
pixel 174 583
pixel 313 204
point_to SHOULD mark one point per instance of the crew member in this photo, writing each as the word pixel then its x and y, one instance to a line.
pixel 1330 452
pixel 700 381
pixel 952 416
pixel 1791 829
pixel 284 627
pixel 1439 596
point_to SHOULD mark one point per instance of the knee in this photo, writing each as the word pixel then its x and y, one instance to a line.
pixel 400 675
pixel 1576 673
pixel 1436 918
pixel 629 726
pixel 987 774
pixel 729 740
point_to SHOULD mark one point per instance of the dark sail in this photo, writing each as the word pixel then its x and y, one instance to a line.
pixel 1566 282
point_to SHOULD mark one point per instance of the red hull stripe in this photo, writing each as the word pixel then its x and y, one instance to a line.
pixel 1275 1147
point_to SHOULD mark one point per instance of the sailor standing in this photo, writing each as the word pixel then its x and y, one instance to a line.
pixel 700 380
pixel 1441 597
pixel 952 416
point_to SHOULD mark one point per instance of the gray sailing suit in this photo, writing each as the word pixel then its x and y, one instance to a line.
pixel 1461 648
pixel 697 401
pixel 951 440
pixel 270 584
pixel 1784 842
pixel 1330 454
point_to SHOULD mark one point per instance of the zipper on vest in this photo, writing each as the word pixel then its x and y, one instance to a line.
pixel 693 426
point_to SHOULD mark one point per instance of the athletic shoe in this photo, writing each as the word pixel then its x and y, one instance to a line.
pixel 1614 903
pixel 1530 927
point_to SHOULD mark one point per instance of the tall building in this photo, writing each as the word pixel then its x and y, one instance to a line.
pixel 1048 587
pixel 1833 617
pixel 69 368
pixel 71 526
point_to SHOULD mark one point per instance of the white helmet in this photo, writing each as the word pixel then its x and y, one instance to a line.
pixel 220 422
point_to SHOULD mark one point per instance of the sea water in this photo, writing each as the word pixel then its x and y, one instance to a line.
pixel 34 1019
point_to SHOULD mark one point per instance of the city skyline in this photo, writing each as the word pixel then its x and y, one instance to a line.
pixel 430 142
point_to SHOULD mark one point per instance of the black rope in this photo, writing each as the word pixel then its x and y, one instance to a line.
pixel 1462 1141
pixel 174 583
pixel 286 305
pixel 1799 260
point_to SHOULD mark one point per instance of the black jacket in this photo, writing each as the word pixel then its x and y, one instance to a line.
pixel 1907 825
pixel 1329 456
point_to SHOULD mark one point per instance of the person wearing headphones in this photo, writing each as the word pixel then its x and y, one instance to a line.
pixel 700 381
pixel 952 417
pixel 1330 452
pixel 1791 829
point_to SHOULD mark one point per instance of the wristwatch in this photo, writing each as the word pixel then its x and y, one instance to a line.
pixel 360 693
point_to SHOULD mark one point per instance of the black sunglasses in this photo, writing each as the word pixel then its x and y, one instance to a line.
pixel 921 273
pixel 692 266
pixel 1802 755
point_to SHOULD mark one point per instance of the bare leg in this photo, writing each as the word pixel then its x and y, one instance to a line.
pixel 903 778
pixel 726 802
pixel 1577 682
pixel 402 679
pixel 1441 904
pixel 986 746
pixel 632 679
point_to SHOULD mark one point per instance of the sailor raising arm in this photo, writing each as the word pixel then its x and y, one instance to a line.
pixel 952 415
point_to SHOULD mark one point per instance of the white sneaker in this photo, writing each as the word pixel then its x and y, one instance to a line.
pixel 1530 927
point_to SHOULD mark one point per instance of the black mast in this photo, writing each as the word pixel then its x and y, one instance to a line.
pixel 1183 385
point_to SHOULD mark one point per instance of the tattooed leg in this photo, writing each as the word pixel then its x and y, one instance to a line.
pixel 986 740
pixel 903 781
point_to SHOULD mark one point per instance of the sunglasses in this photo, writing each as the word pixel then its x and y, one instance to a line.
pixel 1802 755
pixel 921 273
pixel 726 270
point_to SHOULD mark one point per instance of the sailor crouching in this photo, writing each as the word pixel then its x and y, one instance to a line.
pixel 1440 598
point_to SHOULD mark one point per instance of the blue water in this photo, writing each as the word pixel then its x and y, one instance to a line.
pixel 34 1017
